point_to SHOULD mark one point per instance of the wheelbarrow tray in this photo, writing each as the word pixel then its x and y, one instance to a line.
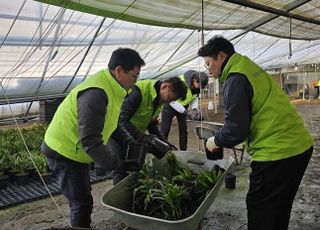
pixel 214 126
pixel 119 198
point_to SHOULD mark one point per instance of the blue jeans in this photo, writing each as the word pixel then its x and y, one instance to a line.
pixel 74 181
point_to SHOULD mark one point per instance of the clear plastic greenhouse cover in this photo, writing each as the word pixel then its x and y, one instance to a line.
pixel 42 45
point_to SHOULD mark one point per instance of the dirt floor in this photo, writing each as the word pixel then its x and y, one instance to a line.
pixel 228 211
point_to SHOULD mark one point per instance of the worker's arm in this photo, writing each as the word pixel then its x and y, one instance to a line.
pixel 91 107
pixel 194 104
pixel 153 128
pixel 238 95
pixel 130 105
pixel 181 109
pixel 177 107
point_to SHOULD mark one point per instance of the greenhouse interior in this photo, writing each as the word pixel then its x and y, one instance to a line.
pixel 51 52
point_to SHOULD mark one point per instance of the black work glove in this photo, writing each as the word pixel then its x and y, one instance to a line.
pixel 197 115
pixel 172 147
pixel 213 154
pixel 130 165
pixel 129 140
pixel 189 115
pixel 137 152
pixel 146 139
pixel 161 138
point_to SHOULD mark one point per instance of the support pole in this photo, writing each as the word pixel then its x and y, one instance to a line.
pixel 49 57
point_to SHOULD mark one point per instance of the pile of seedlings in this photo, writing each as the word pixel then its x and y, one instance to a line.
pixel 174 196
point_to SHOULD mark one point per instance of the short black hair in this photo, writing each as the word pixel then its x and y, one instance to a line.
pixel 127 58
pixel 215 45
pixel 178 87
pixel 201 77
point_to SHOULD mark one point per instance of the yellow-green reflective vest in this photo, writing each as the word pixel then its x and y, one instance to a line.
pixel 276 130
pixel 146 111
pixel 63 132
pixel 189 97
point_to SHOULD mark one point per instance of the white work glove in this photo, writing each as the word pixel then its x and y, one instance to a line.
pixel 190 115
pixel 211 145
pixel 213 151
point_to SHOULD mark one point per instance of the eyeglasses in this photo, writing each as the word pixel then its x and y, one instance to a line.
pixel 135 76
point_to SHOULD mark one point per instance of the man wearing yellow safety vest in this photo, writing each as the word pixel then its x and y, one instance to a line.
pixel 194 81
pixel 81 128
pixel 139 113
pixel 258 111
pixel 316 85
